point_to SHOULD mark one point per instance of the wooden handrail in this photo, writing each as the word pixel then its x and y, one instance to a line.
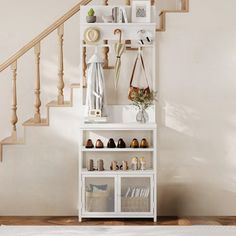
pixel 43 35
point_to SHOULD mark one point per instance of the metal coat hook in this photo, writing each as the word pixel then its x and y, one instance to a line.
pixel 118 31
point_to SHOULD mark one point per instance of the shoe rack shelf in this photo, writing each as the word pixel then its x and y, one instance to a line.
pixel 119 126
pixel 84 149
pixel 118 172
pixel 118 194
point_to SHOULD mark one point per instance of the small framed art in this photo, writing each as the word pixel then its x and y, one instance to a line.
pixel 141 11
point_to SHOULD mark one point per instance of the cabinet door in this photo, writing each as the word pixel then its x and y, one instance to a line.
pixel 136 194
pixel 99 194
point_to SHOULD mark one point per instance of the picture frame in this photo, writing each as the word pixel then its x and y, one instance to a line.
pixel 141 11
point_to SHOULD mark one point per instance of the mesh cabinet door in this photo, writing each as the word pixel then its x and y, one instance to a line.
pixel 136 194
pixel 99 194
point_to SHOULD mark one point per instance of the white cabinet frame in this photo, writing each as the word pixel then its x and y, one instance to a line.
pixel 117 198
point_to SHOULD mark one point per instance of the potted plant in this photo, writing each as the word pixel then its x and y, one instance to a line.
pixel 142 99
pixel 91 18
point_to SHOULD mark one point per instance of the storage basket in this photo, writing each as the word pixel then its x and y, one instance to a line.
pixel 97 201
pixel 135 204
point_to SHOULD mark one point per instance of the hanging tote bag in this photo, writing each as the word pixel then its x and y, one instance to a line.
pixel 132 89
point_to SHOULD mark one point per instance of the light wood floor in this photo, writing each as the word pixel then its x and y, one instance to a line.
pixel 67 221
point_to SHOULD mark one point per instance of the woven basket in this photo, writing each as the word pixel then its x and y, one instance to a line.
pixel 97 201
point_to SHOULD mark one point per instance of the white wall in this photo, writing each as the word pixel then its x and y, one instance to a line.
pixel 196 117
pixel 197 111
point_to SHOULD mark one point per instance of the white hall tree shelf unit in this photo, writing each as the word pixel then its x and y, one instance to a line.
pixel 114 202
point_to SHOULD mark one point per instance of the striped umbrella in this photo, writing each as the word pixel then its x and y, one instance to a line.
pixel 119 49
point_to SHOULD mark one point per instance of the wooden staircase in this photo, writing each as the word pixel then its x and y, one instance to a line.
pixel 35 44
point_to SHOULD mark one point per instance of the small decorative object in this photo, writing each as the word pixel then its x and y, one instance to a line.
pixel 117 15
pixel 111 143
pixel 125 17
pixel 134 143
pixel 114 166
pixel 124 166
pixel 90 165
pixel 107 19
pixel 100 165
pixel 141 11
pixel 89 144
pixel 142 163
pixel 91 18
pixel 99 144
pixel 92 35
pixel 95 113
pixel 134 163
pixel 144 143
pixel 121 143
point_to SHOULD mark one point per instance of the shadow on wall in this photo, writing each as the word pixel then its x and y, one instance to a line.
pixel 196 176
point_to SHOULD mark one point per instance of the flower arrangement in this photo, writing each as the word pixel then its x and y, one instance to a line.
pixel 143 98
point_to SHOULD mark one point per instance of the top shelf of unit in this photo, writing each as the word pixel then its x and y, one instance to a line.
pixel 119 24
pixel 119 126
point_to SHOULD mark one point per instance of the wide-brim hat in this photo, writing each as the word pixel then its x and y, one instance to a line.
pixel 92 35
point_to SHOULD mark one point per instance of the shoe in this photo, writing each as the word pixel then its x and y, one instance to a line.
pixel 144 143
pixel 111 143
pixel 89 144
pixel 134 143
pixel 99 144
pixel 121 143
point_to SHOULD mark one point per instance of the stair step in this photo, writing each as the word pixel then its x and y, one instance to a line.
pixel 11 141
pixel 172 11
pixel 75 85
pixel 31 122
pixel 55 104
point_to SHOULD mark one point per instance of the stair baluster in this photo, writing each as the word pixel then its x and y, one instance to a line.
pixel 37 116
pixel 61 85
pixel 14 118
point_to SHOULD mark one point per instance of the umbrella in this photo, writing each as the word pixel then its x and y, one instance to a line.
pixel 95 97
pixel 119 49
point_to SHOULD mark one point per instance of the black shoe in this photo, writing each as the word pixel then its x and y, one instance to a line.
pixel 111 143
pixel 121 143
